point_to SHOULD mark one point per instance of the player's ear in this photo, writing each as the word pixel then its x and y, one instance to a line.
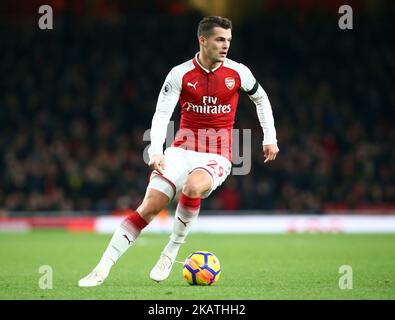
pixel 202 40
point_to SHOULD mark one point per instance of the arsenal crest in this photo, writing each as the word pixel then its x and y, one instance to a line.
pixel 230 82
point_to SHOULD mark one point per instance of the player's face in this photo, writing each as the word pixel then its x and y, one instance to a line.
pixel 216 46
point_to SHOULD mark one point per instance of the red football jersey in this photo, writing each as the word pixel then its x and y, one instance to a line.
pixel 208 100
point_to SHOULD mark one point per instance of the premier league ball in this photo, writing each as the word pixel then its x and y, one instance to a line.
pixel 201 268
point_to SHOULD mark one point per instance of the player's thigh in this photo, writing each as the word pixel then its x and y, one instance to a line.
pixel 216 167
pixel 174 174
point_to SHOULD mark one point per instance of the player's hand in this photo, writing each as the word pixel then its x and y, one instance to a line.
pixel 270 152
pixel 157 162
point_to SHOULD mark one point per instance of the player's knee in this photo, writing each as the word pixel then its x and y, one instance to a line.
pixel 191 189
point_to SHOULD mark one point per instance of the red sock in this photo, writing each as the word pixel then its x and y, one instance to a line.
pixel 191 205
pixel 124 236
pixel 134 223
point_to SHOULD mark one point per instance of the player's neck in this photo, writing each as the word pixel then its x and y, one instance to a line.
pixel 207 63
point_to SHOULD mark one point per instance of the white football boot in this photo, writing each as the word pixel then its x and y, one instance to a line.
pixel 95 278
pixel 162 268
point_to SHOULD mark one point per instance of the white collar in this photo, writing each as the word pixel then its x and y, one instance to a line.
pixel 208 71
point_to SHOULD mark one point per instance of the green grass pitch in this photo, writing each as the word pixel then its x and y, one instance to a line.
pixel 287 266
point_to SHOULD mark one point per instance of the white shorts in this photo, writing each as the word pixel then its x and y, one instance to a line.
pixel 179 163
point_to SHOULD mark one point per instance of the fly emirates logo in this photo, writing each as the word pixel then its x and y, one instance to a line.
pixel 209 106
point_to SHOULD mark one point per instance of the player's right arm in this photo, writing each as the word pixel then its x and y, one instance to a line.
pixel 167 100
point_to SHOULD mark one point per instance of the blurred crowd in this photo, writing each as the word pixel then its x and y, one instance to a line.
pixel 75 102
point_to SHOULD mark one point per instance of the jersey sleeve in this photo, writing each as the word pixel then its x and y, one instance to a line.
pixel 248 81
pixel 263 107
pixel 167 100
pixel 265 115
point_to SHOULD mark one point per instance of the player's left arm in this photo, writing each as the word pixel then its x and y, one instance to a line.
pixel 264 111
pixel 167 100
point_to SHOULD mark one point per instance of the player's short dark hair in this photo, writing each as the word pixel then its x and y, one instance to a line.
pixel 207 24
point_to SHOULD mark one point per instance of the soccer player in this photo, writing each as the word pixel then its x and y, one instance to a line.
pixel 199 159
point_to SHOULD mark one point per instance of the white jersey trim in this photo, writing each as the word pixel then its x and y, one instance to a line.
pixel 208 71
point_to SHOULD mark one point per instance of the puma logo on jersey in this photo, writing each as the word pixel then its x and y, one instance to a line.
pixel 192 85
